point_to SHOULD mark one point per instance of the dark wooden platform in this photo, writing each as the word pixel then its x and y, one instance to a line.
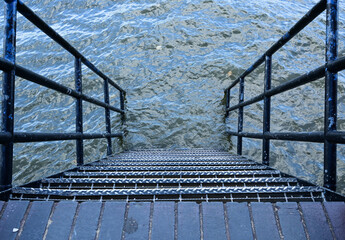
pixel 159 194
pixel 171 220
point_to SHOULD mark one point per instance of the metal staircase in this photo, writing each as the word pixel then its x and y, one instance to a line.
pixel 168 175
pixel 201 175
pixel 171 194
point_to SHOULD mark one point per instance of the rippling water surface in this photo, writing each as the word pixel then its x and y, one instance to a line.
pixel 174 59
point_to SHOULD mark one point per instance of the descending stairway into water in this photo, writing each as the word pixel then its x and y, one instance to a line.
pixel 171 194
pixel 172 175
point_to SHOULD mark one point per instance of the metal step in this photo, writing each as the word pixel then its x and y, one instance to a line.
pixel 169 154
pixel 174 155
pixel 167 191
pixel 174 159
pixel 171 163
pixel 178 153
pixel 168 180
pixel 171 168
pixel 183 150
pixel 170 173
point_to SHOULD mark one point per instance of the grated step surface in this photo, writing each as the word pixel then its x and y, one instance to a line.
pixel 169 180
pixel 168 191
pixel 171 163
pixel 171 175
pixel 169 168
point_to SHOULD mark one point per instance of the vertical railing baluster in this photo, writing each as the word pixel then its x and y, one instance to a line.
pixel 240 117
pixel 122 105
pixel 122 100
pixel 267 111
pixel 227 102
pixel 331 79
pixel 8 95
pixel 107 116
pixel 79 112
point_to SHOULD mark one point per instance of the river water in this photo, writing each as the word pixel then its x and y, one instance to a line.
pixel 174 59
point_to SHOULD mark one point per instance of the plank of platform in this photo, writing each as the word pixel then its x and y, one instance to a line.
pixel 167 220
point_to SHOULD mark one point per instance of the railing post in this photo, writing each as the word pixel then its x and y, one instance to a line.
pixel 79 112
pixel 240 117
pixel 122 100
pixel 331 79
pixel 227 102
pixel 122 105
pixel 8 95
pixel 107 116
pixel 267 111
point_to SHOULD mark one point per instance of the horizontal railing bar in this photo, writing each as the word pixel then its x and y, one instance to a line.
pixel 38 22
pixel 337 65
pixel 313 75
pixel 102 75
pixel 253 67
pixel 336 136
pixel 247 72
pixel 246 103
pixel 333 136
pixel 299 136
pixel 302 23
pixel 36 78
pixel 100 103
pixel 101 135
pixel 288 136
pixel 43 81
pixel 233 84
pixel 299 81
pixel 39 137
pixel 246 134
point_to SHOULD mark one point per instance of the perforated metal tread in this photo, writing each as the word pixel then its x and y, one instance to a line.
pixel 168 191
pixel 179 175
pixel 168 168
pixel 171 163
pixel 107 174
pixel 167 180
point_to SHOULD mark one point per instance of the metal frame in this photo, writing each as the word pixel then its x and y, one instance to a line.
pixel 330 136
pixel 10 69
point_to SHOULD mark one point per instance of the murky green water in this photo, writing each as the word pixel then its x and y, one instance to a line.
pixel 174 58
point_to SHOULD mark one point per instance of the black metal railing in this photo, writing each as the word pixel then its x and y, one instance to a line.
pixel 330 136
pixel 10 70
